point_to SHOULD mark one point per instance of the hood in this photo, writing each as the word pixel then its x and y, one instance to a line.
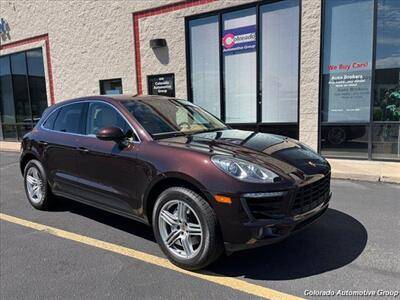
pixel 274 151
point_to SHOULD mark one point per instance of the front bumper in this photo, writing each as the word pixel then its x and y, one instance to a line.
pixel 265 232
pixel 257 219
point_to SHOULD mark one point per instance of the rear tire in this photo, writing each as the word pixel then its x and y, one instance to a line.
pixel 36 187
pixel 186 228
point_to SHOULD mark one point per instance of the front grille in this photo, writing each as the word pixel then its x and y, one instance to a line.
pixel 312 195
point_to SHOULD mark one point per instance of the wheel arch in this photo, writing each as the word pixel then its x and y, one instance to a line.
pixel 25 159
pixel 165 181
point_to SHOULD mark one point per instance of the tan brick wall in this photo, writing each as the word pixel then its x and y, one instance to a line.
pixel 89 40
pixel 171 27
pixel 93 40
pixel 309 71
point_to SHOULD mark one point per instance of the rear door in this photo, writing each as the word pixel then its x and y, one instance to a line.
pixel 107 169
pixel 60 147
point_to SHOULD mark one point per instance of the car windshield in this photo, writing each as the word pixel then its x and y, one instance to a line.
pixel 169 117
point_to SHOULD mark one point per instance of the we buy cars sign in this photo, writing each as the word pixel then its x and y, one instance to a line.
pixel 236 40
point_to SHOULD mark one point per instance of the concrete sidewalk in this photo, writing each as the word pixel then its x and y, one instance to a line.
pixel 364 170
pixel 10 146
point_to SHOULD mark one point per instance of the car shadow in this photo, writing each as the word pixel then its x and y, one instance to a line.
pixel 122 223
pixel 332 242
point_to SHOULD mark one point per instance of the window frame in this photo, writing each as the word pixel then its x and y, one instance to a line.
pixel 259 69
pixel 55 112
pixel 82 125
pixel 85 117
pixel 371 123
pixel 17 136
pixel 86 121
pixel 258 124
pixel 101 86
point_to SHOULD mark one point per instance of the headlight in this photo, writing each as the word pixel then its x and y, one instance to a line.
pixel 243 170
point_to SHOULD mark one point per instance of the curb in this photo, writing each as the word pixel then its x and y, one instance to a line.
pixel 364 177
pixel 10 146
pixel 9 150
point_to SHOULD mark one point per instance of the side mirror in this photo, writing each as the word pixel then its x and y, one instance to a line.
pixel 111 133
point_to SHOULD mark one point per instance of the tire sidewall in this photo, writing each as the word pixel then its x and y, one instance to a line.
pixel 181 194
pixel 43 203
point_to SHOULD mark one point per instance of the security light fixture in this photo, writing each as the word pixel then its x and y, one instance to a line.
pixel 158 43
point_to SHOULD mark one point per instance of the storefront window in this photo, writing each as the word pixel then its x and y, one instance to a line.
pixel 341 140
pixel 279 61
pixel 386 141
pixel 386 114
pixel 240 66
pixel 23 92
pixel 243 65
pixel 347 75
pixel 350 82
pixel 7 100
pixel 387 74
pixel 347 60
pixel 21 89
pixel 204 62
pixel 37 83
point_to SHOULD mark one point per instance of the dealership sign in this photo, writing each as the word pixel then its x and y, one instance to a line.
pixel 348 88
pixel 161 84
pixel 242 39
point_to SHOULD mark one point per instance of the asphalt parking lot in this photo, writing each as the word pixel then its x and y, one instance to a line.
pixel 355 246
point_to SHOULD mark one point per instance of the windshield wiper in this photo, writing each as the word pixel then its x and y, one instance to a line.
pixel 162 135
pixel 168 134
pixel 210 130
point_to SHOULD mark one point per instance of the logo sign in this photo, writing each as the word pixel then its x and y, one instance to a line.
pixel 162 84
pixel 2 26
pixel 4 29
pixel 238 40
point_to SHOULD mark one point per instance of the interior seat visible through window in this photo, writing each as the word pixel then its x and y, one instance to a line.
pixel 102 115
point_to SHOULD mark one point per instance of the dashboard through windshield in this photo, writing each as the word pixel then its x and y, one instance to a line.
pixel 168 117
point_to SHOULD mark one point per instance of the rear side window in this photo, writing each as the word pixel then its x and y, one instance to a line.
pixel 69 119
pixel 49 123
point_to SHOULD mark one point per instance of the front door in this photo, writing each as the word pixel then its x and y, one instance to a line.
pixel 107 168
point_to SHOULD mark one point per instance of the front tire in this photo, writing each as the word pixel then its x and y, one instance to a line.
pixel 337 136
pixel 186 228
pixel 36 187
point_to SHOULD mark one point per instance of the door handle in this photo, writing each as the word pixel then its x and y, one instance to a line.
pixel 43 143
pixel 83 150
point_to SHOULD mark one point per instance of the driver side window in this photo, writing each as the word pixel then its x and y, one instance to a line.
pixel 102 115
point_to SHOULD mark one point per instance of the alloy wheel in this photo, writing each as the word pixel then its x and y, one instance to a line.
pixel 34 185
pixel 180 229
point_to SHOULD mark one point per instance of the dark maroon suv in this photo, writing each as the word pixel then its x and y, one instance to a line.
pixel 201 185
